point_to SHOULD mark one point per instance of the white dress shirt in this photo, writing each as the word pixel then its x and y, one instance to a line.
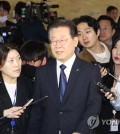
pixel 11 88
pixel 68 68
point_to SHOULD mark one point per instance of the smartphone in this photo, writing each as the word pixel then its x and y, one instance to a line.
pixel 28 103
pixel 105 89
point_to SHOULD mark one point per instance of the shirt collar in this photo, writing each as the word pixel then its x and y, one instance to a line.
pixel 68 63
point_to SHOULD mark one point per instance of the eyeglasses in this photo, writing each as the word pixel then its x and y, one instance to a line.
pixel 105 28
pixel 61 41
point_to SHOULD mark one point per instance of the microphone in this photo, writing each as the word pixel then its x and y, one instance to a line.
pixel 39 100
pixel 98 64
pixel 30 102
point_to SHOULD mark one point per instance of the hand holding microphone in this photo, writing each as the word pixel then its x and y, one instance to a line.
pixel 15 112
pixel 105 71
pixel 109 93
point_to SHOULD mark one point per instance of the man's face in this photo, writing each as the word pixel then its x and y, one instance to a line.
pixel 113 14
pixel 106 31
pixel 62 44
pixel 86 35
pixel 3 12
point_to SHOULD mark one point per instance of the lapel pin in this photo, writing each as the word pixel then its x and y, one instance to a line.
pixel 77 69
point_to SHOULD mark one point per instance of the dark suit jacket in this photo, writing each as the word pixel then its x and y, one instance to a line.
pixel 23 95
pixel 81 100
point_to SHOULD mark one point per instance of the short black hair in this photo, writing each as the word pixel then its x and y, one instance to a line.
pixel 92 22
pixel 19 6
pixel 105 17
pixel 33 50
pixel 110 8
pixel 5 5
pixel 62 22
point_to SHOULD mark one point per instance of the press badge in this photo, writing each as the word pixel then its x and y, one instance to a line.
pixel 114 123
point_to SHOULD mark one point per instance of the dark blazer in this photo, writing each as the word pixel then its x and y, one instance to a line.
pixel 81 100
pixel 23 95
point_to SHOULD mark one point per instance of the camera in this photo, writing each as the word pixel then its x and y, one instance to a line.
pixel 6 34
pixel 38 12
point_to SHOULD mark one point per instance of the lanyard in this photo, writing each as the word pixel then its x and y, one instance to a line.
pixel 13 123
pixel 14 101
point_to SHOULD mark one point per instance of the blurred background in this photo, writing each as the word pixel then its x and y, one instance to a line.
pixel 74 8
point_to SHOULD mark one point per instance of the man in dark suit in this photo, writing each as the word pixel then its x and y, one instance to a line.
pixel 65 111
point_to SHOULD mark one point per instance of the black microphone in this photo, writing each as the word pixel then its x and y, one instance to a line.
pixel 98 64
pixel 39 100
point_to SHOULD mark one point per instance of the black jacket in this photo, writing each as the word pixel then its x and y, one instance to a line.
pixel 24 88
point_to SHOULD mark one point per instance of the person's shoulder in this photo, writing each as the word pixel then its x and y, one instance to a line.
pixel 84 51
pixel 85 55
pixel 26 84
pixel 23 79
pixel 13 26
pixel 82 54
pixel 108 46
pixel 83 61
pixel 10 23
pixel 87 65
pixel 51 62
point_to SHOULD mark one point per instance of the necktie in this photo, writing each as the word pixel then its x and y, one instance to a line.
pixel 62 82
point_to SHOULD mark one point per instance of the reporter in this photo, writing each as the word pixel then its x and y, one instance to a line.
pixel 115 70
pixel 14 92
pixel 110 103
pixel 34 54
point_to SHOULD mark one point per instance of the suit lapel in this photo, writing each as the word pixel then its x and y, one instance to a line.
pixel 52 74
pixel 75 72
pixel 4 96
